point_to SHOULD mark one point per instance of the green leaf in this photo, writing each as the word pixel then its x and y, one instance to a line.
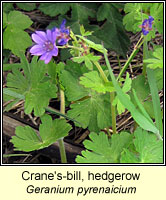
pixel 92 112
pixel 99 150
pixel 11 93
pixel 80 13
pixel 83 32
pixel 150 150
pixel 54 9
pixel 112 31
pixel 103 12
pixel 7 7
pixel 136 13
pixel 14 37
pixel 141 86
pixel 118 142
pixel 9 67
pixel 138 117
pixel 129 157
pixel 157 61
pixel 141 108
pixel 127 84
pixel 97 47
pixel 16 40
pixel 4 20
pixel 103 150
pixel 74 90
pixel 155 99
pixel 94 81
pixel 27 139
pixel 156 10
pixel 27 6
pixel 159 78
pixel 126 87
pixel 38 98
pixel 37 93
pixel 18 20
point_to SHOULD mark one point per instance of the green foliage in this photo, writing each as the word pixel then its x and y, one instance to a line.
pixel 36 92
pixel 27 6
pixel 103 150
pixel 94 81
pixel 15 38
pixel 88 59
pixel 97 47
pixel 70 80
pixel 111 32
pixel 138 116
pixel 81 13
pixel 53 9
pixel 92 112
pixel 27 139
pixel 155 99
pixel 157 60
pixel 83 32
pixel 142 147
pixel 137 12
pixel 157 12
pixel 7 7
pixel 88 107
pixel 126 87
pixel 148 149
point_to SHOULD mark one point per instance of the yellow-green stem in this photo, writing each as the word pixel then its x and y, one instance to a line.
pixel 112 95
pixel 145 56
pixel 60 141
pixel 136 49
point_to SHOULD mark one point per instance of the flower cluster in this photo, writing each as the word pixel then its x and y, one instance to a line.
pixel 46 42
pixel 147 25
pixel 62 33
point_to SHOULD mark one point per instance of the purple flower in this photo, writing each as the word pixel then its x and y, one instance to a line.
pixel 45 45
pixel 62 33
pixel 147 25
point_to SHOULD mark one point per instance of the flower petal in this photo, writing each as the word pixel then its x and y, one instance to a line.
pixel 151 19
pixel 54 52
pixel 62 41
pixel 37 50
pixel 50 36
pixel 145 32
pixel 42 35
pixel 62 26
pixel 46 57
pixel 144 22
pixel 36 38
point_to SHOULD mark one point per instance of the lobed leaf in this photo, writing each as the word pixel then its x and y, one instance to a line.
pixel 149 149
pixel 100 149
pixel 15 38
pixel 27 6
pixel 53 9
pixel 94 81
pixel 157 60
pixel 30 86
pixel 27 139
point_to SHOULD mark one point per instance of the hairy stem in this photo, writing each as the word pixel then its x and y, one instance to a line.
pixel 60 141
pixel 112 96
